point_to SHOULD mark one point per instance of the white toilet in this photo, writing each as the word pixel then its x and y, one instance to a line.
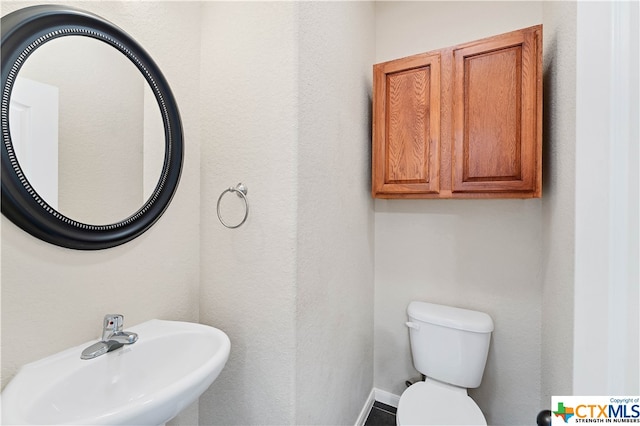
pixel 449 346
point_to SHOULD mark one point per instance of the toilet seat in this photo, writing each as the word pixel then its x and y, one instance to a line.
pixel 435 403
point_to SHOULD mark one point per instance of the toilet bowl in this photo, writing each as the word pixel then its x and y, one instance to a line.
pixel 435 403
pixel 449 346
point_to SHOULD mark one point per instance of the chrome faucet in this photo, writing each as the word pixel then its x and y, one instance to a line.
pixel 112 337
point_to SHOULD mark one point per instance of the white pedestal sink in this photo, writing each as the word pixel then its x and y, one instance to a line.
pixel 146 383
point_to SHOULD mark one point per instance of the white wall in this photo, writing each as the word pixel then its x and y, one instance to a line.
pixel 249 134
pixel 482 255
pixel 558 202
pixel 606 259
pixel 285 109
pixel 54 298
pixel 334 309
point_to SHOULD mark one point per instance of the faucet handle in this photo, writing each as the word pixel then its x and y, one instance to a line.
pixel 112 324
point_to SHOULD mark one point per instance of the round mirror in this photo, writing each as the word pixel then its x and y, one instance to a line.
pixel 63 95
pixel 92 140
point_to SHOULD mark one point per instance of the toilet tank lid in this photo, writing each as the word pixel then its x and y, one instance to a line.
pixel 449 316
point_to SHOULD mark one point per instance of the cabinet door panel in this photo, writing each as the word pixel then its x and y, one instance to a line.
pixel 495 120
pixel 407 126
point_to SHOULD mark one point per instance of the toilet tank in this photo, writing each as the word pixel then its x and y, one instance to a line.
pixel 449 344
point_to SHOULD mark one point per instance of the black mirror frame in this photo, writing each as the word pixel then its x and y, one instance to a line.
pixel 22 32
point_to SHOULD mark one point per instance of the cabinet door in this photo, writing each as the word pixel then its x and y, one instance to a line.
pixel 406 126
pixel 497 113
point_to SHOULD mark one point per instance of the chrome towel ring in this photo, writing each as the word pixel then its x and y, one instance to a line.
pixel 241 191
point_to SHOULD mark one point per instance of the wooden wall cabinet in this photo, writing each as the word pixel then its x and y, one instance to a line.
pixel 461 122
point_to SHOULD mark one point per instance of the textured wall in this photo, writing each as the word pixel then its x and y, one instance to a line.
pixel 558 217
pixel 54 298
pixel 334 315
pixel 249 123
pixel 286 112
pixel 482 255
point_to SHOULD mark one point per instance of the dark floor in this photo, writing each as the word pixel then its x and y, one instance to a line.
pixel 381 415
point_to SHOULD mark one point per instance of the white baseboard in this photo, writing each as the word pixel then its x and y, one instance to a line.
pixel 386 397
pixel 380 396
pixel 362 418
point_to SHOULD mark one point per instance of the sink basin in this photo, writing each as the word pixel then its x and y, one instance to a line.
pixel 146 383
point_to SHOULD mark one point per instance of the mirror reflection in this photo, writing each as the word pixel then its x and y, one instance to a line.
pixel 87 130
